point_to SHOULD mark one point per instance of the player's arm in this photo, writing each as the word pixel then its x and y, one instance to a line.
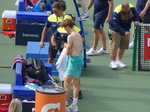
pixel 116 23
pixel 46 27
pixel 69 44
pixel 145 8
pixel 110 10
pixel 44 33
pixel 135 18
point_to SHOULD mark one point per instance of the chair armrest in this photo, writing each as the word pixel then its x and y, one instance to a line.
pixel 21 6
pixel 49 68
pixel 18 74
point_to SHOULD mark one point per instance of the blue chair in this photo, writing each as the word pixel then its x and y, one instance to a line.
pixel 18 88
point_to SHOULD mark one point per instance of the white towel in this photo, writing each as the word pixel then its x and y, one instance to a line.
pixel 61 64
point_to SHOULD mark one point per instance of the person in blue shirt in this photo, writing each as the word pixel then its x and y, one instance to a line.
pixel 119 26
pixel 102 12
pixel 53 22
pixel 143 10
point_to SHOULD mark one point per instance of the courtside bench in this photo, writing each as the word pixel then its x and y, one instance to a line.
pixel 33 50
pixel 19 89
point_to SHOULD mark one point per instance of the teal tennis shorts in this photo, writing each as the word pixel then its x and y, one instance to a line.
pixel 74 66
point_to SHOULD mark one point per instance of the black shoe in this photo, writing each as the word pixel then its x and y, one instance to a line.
pixel 80 96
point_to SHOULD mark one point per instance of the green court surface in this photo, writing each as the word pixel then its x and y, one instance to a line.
pixel 104 90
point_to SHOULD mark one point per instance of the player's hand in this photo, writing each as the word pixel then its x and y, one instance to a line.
pixel 107 20
pixel 136 23
pixel 142 14
pixel 41 44
pixel 127 33
pixel 65 45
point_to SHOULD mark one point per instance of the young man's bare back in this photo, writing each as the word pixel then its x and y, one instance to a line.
pixel 75 39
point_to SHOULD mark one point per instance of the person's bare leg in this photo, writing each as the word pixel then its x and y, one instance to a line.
pixel 96 38
pixel 79 82
pixel 75 91
pixel 75 87
pixel 51 60
pixel 120 53
pixel 62 83
pixel 102 38
pixel 67 83
pixel 78 79
pixel 113 54
pixel 83 5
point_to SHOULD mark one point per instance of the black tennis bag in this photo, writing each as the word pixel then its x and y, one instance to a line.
pixel 36 69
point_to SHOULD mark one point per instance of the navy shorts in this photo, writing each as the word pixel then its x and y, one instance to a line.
pixel 145 19
pixel 52 52
pixel 98 22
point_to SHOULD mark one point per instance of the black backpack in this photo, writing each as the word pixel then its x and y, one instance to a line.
pixel 36 69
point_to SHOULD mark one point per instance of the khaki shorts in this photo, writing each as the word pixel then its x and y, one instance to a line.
pixel 118 41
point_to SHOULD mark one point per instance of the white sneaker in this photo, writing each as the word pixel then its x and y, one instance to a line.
pixel 67 109
pixel 83 16
pixel 113 65
pixel 102 51
pixel 91 52
pixel 73 108
pixel 120 63
pixel 131 45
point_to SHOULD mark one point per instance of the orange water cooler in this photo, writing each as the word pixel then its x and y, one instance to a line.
pixel 9 20
pixel 50 99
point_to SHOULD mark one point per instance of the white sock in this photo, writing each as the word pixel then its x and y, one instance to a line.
pixel 66 102
pixel 75 100
pixel 86 14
